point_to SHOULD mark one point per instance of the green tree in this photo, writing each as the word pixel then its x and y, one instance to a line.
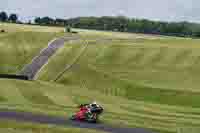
pixel 13 18
pixel 3 16
pixel 37 20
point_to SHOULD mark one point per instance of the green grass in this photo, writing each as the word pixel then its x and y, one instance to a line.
pixel 8 126
pixel 133 113
pixel 20 44
pixel 152 70
pixel 146 81
pixel 9 27
pixel 64 58
pixel 159 75
pixel 35 96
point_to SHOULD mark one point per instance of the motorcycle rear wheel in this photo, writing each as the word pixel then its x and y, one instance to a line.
pixel 73 117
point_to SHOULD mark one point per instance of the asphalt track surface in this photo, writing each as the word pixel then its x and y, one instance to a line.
pixel 39 61
pixel 31 71
pixel 45 119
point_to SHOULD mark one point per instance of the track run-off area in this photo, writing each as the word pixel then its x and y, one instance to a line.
pixel 31 70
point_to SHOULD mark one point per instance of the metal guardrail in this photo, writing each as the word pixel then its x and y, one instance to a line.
pixel 9 76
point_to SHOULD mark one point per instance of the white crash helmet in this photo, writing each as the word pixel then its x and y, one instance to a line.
pixel 94 104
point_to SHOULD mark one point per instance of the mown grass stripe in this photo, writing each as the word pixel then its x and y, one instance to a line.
pixel 3 99
pixel 180 57
pixel 35 96
pixel 144 122
pixel 161 118
pixel 145 93
pixel 159 55
pixel 166 113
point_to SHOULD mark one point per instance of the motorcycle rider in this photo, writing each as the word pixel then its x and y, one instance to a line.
pixel 91 108
pixel 83 110
pixel 88 112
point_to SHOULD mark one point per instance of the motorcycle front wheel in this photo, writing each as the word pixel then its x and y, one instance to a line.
pixel 93 119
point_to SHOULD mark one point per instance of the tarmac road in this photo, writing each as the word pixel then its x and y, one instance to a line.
pixel 31 70
pixel 39 61
pixel 45 119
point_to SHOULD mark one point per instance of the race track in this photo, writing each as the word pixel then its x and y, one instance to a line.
pixel 45 119
pixel 31 70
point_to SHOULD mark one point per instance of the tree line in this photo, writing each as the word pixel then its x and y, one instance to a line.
pixel 117 23
pixel 50 21
pixel 124 24
pixel 4 17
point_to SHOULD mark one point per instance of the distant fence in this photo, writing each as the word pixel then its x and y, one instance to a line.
pixel 8 76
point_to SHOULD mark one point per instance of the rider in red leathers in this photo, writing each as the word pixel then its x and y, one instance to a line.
pixel 88 112
pixel 81 114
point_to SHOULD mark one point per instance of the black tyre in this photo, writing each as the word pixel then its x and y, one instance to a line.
pixel 73 117
pixel 92 120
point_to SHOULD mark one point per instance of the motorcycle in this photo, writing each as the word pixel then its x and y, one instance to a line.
pixel 88 113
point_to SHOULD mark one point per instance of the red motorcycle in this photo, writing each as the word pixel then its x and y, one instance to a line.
pixel 88 113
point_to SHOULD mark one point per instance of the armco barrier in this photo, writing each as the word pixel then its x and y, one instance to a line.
pixel 9 76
